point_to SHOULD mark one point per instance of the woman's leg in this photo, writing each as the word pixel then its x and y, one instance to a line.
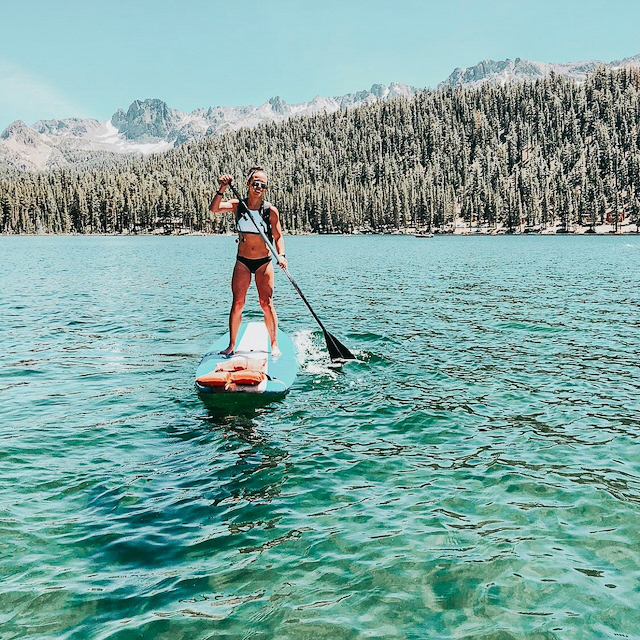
pixel 264 283
pixel 240 282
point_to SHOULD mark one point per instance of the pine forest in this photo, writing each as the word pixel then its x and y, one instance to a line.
pixel 519 157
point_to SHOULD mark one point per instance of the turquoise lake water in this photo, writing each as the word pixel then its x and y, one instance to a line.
pixel 475 474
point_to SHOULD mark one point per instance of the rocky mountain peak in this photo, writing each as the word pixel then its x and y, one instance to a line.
pixel 146 119
pixel 16 129
pixel 278 105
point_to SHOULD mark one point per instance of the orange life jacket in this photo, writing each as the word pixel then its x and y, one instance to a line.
pixel 235 372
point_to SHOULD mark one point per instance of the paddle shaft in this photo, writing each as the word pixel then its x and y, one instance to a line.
pixel 335 347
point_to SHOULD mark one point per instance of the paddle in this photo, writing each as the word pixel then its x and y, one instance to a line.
pixel 337 351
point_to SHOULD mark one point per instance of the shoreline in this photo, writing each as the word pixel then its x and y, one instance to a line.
pixel 600 230
pixel 458 228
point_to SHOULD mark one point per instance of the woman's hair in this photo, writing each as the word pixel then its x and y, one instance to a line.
pixel 254 170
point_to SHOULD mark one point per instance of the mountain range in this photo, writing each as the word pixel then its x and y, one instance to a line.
pixel 150 126
pixel 506 71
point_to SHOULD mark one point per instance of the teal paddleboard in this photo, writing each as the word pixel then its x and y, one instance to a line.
pixel 252 369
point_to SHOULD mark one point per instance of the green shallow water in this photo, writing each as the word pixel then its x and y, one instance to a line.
pixel 475 474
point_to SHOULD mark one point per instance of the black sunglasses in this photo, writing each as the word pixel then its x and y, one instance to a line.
pixel 258 184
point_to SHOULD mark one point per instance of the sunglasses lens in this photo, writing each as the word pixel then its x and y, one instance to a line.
pixel 262 185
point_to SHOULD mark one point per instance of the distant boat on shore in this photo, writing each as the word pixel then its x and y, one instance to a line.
pixel 423 235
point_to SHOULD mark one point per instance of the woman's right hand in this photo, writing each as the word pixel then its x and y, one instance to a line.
pixel 225 179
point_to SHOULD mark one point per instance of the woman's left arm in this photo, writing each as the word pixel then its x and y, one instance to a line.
pixel 278 238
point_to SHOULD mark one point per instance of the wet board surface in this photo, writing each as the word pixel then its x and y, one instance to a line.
pixel 252 353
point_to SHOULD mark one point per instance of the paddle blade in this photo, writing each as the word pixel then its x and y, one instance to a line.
pixel 337 351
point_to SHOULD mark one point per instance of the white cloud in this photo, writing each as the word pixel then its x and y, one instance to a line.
pixel 25 96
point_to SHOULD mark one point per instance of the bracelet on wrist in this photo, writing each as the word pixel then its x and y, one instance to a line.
pixel 220 193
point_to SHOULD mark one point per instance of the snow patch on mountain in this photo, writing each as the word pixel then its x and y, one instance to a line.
pixel 112 139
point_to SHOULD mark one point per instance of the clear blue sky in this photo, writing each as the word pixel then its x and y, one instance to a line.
pixel 87 58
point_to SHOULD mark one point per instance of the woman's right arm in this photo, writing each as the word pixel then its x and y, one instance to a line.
pixel 217 205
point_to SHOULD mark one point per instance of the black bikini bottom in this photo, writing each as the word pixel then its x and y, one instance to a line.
pixel 253 265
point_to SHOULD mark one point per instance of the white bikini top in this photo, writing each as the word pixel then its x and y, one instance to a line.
pixel 246 226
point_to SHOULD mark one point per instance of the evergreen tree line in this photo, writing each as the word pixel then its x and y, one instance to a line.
pixel 536 153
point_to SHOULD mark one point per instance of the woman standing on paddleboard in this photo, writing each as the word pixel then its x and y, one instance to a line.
pixel 253 254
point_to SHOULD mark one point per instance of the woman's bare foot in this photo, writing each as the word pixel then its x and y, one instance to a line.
pixel 275 351
pixel 228 351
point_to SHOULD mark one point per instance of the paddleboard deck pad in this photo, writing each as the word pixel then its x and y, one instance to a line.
pixel 252 368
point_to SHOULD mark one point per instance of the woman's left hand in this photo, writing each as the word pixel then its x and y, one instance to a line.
pixel 282 261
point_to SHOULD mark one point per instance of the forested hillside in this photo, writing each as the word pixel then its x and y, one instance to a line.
pixel 528 153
